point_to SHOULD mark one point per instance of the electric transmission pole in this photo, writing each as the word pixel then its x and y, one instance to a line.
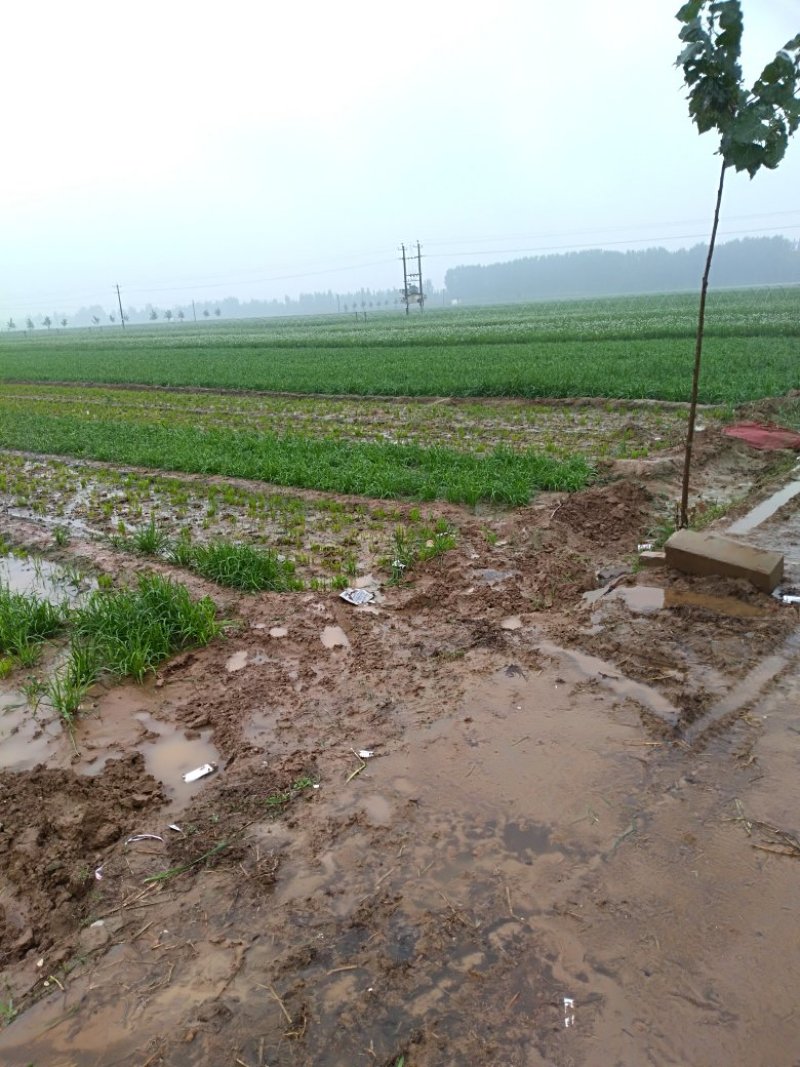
pixel 419 271
pixel 412 282
pixel 405 279
pixel 121 316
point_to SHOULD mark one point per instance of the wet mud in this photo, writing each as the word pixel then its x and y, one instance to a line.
pixel 503 815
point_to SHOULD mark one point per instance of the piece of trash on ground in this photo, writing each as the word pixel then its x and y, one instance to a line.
pixel 646 546
pixel 199 772
pixel 143 837
pixel 786 595
pixel 98 873
pixel 357 596
pixel 764 436
pixel 174 826
pixel 569 1012
pixel 365 753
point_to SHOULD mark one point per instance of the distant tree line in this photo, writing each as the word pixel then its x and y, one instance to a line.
pixel 750 261
pixel 327 303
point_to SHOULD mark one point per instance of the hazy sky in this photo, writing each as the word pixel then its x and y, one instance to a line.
pixel 262 148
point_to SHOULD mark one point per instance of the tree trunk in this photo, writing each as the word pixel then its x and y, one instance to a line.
pixel 698 352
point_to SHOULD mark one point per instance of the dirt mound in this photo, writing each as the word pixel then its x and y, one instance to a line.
pixel 55 828
pixel 608 515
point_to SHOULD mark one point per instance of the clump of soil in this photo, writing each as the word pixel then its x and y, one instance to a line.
pixel 608 516
pixel 56 827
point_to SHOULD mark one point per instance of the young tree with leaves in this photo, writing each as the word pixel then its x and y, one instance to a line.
pixel 753 125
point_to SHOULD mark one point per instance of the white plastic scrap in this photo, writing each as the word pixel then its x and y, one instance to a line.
pixel 365 753
pixel 646 546
pixel 357 596
pixel 569 1012
pixel 98 873
pixel 199 772
pixel 143 837
pixel 174 826
pixel 786 598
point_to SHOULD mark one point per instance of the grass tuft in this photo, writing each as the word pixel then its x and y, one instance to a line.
pixel 131 631
pixel 150 540
pixel 26 622
pixel 242 567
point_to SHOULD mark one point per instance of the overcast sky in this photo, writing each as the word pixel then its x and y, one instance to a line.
pixel 261 148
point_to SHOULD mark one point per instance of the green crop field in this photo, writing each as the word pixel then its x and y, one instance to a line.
pixel 625 348
pixel 488 442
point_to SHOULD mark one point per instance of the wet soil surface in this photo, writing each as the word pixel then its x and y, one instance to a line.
pixel 487 819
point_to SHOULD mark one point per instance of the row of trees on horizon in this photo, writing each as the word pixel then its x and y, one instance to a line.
pixel 750 261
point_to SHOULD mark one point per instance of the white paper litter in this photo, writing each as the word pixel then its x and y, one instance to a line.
pixel 569 1012
pixel 357 596
pixel 199 772
pixel 365 753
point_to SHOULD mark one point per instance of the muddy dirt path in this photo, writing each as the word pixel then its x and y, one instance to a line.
pixel 536 865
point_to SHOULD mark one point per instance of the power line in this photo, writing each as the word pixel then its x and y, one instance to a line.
pixel 600 229
pixel 601 244
pixel 47 303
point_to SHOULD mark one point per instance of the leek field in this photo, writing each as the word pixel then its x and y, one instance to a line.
pixel 433 406
pixel 626 348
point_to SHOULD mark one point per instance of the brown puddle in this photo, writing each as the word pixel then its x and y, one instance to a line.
pixel 26 738
pixel 513 863
pixel 748 690
pixel 766 509
pixel 121 722
pixel 646 599
pixel 40 577
pixel 609 677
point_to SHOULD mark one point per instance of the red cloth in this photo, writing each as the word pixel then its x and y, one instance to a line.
pixel 764 436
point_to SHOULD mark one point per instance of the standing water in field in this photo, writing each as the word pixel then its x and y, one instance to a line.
pixel 34 576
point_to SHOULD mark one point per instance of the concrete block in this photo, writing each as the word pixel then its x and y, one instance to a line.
pixel 653 559
pixel 706 553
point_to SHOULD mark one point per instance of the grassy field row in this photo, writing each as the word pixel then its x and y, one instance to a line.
pixel 597 431
pixel 328 541
pixel 637 347
pixel 732 313
pixel 369 469
pixel 735 370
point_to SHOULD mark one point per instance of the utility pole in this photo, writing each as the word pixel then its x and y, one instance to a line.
pixel 121 315
pixel 194 312
pixel 405 278
pixel 419 271
pixel 412 282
